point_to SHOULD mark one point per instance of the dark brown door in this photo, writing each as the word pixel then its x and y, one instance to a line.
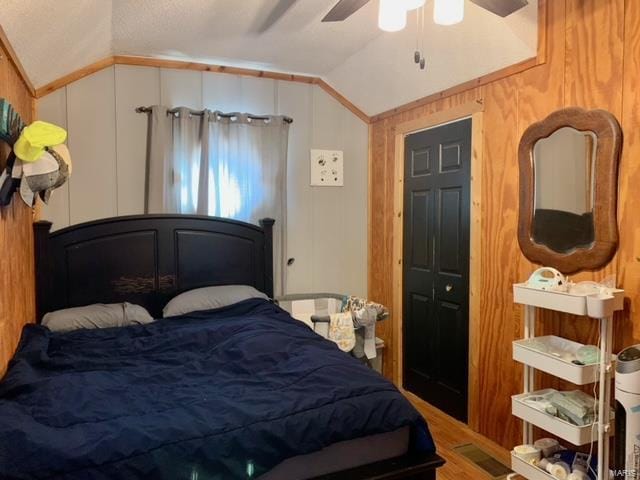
pixel 436 265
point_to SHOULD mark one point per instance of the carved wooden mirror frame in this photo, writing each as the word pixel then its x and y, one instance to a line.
pixel 605 171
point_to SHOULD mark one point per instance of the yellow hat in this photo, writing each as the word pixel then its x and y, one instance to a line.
pixel 35 137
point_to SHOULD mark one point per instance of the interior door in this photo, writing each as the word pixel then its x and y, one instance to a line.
pixel 436 265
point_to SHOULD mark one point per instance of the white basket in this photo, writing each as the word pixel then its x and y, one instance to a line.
pixel 527 470
pixel 596 306
pixel 571 433
pixel 600 306
pixel 577 374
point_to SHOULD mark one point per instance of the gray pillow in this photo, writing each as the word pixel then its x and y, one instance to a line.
pixel 98 315
pixel 208 298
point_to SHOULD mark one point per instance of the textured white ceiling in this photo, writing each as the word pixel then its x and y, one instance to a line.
pixel 371 68
pixel 227 31
pixel 55 37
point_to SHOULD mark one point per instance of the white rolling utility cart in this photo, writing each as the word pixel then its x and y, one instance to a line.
pixel 599 307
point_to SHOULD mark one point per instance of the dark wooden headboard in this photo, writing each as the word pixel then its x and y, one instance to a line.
pixel 148 259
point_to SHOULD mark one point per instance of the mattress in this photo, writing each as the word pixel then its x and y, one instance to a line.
pixel 342 455
pixel 211 394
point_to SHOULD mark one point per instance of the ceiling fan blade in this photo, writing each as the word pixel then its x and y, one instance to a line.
pixel 276 13
pixel 502 8
pixel 344 9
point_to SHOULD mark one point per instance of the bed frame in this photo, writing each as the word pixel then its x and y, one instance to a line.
pixel 148 259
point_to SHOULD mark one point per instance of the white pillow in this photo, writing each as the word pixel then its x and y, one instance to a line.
pixel 98 315
pixel 208 298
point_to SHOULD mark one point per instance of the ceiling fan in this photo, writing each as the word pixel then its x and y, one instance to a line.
pixel 345 8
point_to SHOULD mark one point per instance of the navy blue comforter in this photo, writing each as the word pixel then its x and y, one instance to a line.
pixel 227 393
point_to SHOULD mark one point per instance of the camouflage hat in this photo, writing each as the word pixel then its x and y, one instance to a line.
pixel 63 157
pixel 43 176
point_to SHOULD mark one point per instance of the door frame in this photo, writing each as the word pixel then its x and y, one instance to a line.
pixel 473 110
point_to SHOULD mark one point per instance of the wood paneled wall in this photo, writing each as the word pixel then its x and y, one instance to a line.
pixel 17 294
pixel 592 61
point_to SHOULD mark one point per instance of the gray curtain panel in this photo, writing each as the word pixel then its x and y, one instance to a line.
pixel 208 164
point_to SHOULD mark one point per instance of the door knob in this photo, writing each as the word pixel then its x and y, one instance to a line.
pixel 448 288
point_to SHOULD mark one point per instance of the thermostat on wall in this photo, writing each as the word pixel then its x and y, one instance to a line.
pixel 327 168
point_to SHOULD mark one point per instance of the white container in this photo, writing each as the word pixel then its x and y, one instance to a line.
pixel 557 366
pixel 527 470
pixel 599 306
pixel 565 430
pixel 560 301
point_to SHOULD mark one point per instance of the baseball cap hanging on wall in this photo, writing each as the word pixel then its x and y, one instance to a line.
pixel 10 127
pixel 10 123
pixel 38 164
pixel 35 138
pixel 50 171
pixel 9 181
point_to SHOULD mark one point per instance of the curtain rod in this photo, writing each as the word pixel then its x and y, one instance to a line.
pixel 224 115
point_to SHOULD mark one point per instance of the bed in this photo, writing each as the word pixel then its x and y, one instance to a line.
pixel 244 391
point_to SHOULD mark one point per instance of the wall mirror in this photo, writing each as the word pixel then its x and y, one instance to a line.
pixel 568 189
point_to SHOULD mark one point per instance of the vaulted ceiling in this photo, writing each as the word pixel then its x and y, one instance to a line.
pixel 371 68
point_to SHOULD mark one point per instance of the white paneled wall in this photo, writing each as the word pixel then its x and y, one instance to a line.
pixel 134 87
pixel 296 100
pixel 327 226
pixel 91 113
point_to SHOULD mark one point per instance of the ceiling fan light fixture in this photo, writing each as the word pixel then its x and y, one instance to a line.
pixel 413 4
pixel 448 12
pixel 392 16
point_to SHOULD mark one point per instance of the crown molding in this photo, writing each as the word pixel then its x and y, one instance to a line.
pixel 74 76
pixel 202 67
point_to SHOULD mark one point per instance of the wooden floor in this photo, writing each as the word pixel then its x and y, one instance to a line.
pixel 449 433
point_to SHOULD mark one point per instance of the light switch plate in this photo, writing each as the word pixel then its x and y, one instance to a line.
pixel 327 168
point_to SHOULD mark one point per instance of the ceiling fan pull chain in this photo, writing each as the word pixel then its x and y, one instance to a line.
pixel 417 54
pixel 423 61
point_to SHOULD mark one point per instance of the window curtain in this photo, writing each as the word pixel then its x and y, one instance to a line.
pixel 209 163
